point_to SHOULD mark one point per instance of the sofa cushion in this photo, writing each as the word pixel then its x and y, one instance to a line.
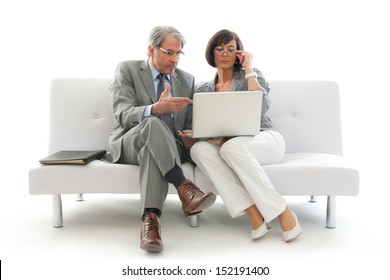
pixel 95 177
pixel 304 174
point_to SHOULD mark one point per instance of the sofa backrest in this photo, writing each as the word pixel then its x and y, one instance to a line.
pixel 81 116
pixel 306 112
pixel 308 115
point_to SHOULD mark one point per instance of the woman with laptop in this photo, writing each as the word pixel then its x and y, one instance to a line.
pixel 233 164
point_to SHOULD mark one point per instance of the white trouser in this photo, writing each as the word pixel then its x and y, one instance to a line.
pixel 236 172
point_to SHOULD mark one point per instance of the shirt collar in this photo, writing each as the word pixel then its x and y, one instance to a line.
pixel 155 72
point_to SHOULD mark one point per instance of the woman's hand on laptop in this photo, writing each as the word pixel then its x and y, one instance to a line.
pixel 168 104
pixel 218 141
pixel 186 137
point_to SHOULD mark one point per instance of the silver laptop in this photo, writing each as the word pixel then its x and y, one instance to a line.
pixel 218 114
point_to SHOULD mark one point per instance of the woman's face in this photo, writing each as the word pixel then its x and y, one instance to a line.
pixel 225 55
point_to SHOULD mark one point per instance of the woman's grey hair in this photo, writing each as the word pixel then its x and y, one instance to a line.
pixel 159 33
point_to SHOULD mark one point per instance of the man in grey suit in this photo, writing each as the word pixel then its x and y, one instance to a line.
pixel 152 105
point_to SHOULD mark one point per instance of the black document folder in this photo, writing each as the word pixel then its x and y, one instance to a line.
pixel 73 157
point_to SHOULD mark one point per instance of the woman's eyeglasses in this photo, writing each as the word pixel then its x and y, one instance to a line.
pixel 221 50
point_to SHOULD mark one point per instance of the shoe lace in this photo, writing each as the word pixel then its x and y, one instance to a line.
pixel 151 225
pixel 191 189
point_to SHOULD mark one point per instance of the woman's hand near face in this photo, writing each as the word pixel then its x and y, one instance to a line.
pixel 245 59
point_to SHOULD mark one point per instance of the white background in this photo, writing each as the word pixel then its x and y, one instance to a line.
pixel 345 41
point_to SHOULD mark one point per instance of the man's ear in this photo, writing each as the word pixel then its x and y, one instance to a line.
pixel 150 51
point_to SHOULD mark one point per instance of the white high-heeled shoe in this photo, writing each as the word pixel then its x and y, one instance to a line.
pixel 260 231
pixel 290 235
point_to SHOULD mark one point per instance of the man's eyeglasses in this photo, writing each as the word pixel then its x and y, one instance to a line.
pixel 169 53
pixel 221 50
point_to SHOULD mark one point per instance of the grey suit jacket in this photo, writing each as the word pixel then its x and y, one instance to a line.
pixel 133 90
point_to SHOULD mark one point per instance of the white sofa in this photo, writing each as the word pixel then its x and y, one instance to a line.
pixel 306 112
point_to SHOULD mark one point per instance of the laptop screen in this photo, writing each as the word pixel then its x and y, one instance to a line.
pixel 218 114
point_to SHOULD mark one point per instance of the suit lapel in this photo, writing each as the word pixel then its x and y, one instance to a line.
pixel 146 75
pixel 175 84
pixel 175 88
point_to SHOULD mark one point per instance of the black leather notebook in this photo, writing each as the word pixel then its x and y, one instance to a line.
pixel 72 157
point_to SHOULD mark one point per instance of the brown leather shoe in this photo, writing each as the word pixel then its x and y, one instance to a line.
pixel 151 234
pixel 193 199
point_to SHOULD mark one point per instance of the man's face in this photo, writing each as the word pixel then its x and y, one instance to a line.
pixel 166 58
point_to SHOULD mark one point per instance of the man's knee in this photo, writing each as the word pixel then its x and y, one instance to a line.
pixel 152 124
pixel 155 126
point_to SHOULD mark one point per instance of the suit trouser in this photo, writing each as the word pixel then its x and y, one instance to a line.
pixel 152 146
pixel 236 172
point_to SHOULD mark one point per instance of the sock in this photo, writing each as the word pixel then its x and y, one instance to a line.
pixel 151 210
pixel 175 176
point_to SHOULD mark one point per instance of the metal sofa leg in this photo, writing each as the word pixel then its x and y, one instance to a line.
pixel 57 211
pixel 331 212
pixel 194 220
pixel 80 197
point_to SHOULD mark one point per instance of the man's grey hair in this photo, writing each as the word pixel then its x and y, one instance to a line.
pixel 159 33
